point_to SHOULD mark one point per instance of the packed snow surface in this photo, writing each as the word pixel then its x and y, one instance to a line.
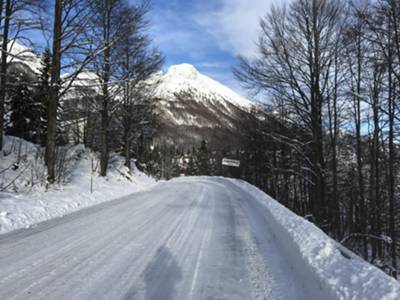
pixel 189 238
pixel 24 200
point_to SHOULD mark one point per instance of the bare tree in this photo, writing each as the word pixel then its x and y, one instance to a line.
pixel 331 69
pixel 355 53
pixel 72 51
pixel 297 51
pixel 137 63
pixel 384 29
pixel 112 22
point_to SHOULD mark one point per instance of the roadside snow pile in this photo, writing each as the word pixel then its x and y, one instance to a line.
pixel 333 271
pixel 24 200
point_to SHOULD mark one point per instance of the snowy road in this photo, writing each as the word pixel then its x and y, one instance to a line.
pixel 184 239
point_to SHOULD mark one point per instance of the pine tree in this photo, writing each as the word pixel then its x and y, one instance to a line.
pixel 41 97
pixel 23 113
pixel 203 159
pixel 192 167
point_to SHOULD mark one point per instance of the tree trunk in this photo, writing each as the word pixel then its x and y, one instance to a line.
pixel 374 176
pixel 104 138
pixel 392 185
pixel 50 156
pixel 106 97
pixel 333 130
pixel 127 149
pixel 3 67
pixel 391 103
pixel 317 159
pixel 360 176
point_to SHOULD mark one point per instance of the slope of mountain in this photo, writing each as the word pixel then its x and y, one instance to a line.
pixel 25 57
pixel 185 77
pixel 193 107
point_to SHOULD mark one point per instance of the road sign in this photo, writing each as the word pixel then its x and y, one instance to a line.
pixel 231 162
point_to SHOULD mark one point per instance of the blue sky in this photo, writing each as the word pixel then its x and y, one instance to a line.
pixel 208 34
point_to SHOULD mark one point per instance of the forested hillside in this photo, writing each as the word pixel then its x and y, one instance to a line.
pixel 331 71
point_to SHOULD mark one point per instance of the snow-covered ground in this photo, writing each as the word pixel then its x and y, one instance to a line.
pixel 188 238
pixel 24 200
pixel 326 265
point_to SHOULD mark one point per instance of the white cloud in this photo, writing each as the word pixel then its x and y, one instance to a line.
pixel 177 35
pixel 197 33
pixel 235 24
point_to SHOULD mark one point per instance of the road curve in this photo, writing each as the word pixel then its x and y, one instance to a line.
pixel 190 238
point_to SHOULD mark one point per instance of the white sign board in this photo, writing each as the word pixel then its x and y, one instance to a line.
pixel 231 162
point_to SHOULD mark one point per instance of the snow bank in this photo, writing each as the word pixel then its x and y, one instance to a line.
pixel 26 202
pixel 328 268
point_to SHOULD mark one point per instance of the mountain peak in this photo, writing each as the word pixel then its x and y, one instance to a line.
pixel 184 70
pixel 193 107
pixel 185 77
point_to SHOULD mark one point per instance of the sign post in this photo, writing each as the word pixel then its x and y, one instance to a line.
pixel 230 162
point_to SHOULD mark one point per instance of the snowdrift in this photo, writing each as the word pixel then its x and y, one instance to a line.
pixel 329 269
pixel 25 200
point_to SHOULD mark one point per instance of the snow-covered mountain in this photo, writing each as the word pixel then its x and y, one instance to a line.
pixel 193 107
pixel 24 56
pixel 185 77
pixel 23 62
